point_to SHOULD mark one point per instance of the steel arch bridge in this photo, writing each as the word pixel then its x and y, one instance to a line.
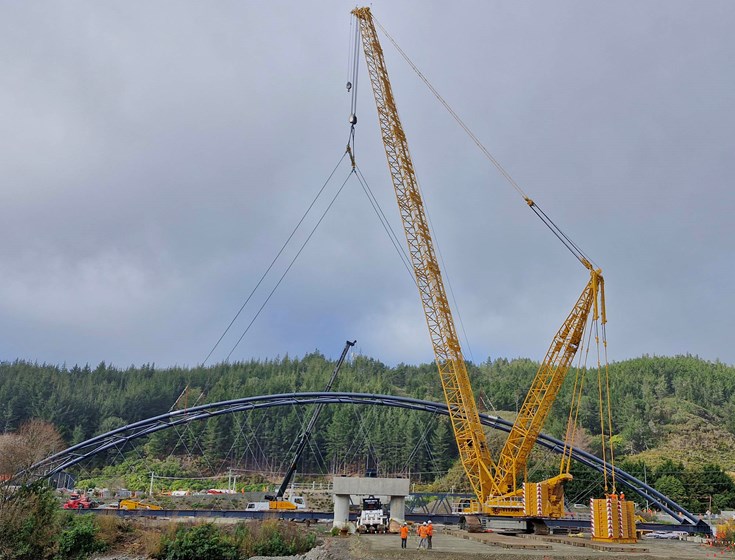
pixel 118 438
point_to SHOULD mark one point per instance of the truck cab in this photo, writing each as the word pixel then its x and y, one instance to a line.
pixel 373 518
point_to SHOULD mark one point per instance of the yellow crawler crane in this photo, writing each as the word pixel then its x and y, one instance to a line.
pixel 500 487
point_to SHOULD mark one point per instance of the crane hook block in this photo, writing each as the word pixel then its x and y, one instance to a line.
pixel 353 119
pixel 349 86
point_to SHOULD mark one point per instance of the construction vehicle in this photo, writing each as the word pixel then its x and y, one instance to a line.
pixel 278 502
pixel 77 501
pixel 304 438
pixel 500 485
pixel 129 504
pixel 282 504
pixel 373 518
pixel 217 491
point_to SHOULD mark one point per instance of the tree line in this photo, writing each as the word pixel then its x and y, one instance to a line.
pixel 82 401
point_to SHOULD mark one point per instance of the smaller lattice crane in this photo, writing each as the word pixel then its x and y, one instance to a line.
pixel 306 434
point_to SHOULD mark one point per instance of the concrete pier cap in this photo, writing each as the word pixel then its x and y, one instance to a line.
pixel 394 490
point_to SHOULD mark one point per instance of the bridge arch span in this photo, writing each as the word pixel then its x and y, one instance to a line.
pixel 121 436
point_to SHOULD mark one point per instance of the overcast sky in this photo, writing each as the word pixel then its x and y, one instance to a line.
pixel 155 156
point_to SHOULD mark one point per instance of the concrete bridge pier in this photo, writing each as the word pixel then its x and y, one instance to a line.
pixel 341 511
pixel 393 489
pixel 398 508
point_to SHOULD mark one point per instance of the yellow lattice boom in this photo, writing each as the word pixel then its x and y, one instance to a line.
pixel 496 485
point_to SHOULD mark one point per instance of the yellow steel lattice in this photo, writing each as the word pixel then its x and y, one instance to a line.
pixel 468 431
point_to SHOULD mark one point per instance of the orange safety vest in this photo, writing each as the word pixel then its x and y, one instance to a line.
pixel 404 532
pixel 429 530
pixel 421 531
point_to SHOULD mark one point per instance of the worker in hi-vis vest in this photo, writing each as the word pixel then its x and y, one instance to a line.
pixel 404 535
pixel 422 535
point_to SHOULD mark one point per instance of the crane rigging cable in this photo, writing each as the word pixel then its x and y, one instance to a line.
pixel 577 392
pixel 405 259
pixel 394 239
pixel 285 272
pixel 609 406
pixel 496 483
pixel 373 201
pixel 275 259
pixel 566 241
pixel 579 254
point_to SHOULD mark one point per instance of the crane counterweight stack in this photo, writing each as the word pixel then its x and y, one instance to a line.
pixel 501 488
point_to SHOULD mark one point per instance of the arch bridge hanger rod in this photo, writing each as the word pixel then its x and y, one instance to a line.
pixel 548 222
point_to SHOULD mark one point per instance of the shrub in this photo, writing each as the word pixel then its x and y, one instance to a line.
pixel 79 539
pixel 210 542
pixel 153 543
pixel 200 542
pixel 273 538
pixel 112 529
pixel 28 522
pixel 271 543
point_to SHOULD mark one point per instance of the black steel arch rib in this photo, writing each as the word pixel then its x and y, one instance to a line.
pixel 121 436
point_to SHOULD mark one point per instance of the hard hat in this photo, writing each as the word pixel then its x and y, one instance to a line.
pixel 429 521
pixel 404 523
pixel 424 523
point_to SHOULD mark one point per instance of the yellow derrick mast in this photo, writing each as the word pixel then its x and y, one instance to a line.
pixel 500 487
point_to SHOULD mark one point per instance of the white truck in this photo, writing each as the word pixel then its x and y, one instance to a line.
pixel 372 517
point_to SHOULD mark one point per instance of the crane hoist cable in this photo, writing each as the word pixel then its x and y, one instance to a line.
pixel 353 75
pixel 579 254
pixel 564 238
pixel 353 71
pixel 352 85
pixel 495 483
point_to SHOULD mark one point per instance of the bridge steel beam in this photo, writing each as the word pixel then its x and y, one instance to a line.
pixel 118 438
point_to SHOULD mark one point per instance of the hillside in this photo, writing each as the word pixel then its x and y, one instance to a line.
pixel 691 435
pixel 664 407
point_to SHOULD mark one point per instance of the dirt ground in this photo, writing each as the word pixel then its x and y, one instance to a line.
pixel 452 544
pixel 449 547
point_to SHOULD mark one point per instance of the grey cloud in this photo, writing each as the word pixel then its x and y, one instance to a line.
pixel 155 158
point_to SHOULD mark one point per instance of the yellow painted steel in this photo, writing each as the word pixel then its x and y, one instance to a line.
pixel 613 519
pixel 496 485
pixel 545 387
pixel 470 436
pixel 545 498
